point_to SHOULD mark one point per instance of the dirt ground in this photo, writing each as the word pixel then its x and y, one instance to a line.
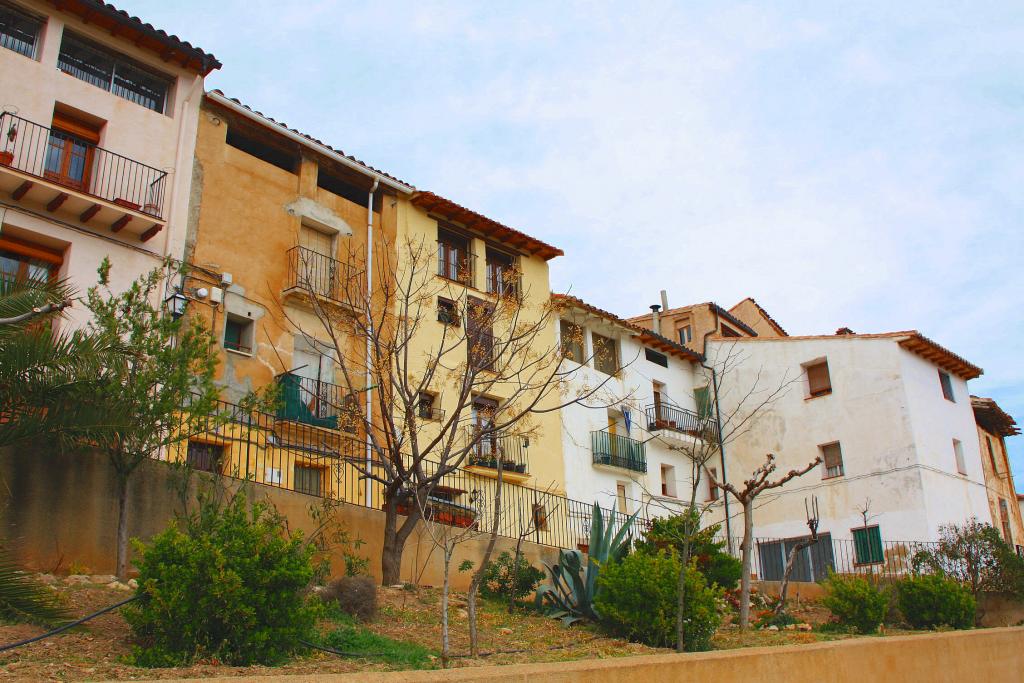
pixel 98 650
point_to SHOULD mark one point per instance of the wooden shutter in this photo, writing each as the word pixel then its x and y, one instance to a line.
pixel 833 456
pixel 818 380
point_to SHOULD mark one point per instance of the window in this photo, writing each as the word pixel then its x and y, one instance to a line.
pixel 668 481
pixel 572 341
pixel 205 457
pixel 447 311
pixel 480 334
pixel 19 31
pixel 238 333
pixel 272 475
pixel 818 381
pixel 1004 518
pixel 453 261
pixel 20 259
pixel 867 545
pixel 832 454
pixel 656 358
pixel 991 454
pixel 501 273
pixel 540 517
pixel 70 149
pixel 111 71
pixel 958 453
pixel 620 498
pixel 729 332
pixel 712 489
pixel 286 160
pixel 702 397
pixel 425 406
pixel 685 334
pixel 309 480
pixel 947 386
pixel 606 357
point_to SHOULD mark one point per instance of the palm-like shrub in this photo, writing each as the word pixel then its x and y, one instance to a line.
pixel 25 599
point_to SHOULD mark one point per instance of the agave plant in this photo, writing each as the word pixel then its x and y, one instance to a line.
pixel 570 595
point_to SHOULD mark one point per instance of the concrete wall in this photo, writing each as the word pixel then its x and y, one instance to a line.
pixel 62 509
pixel 989 654
pixel 887 411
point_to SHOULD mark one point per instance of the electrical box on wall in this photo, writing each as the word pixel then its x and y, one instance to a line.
pixel 216 295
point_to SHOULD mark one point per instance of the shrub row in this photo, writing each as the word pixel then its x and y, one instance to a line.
pixel 926 601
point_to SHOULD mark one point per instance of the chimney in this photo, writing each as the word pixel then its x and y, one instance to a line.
pixel 655 319
pixel 664 301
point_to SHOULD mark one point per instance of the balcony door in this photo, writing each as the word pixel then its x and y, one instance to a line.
pixel 483 419
pixel 318 269
pixel 69 152
pixel 314 363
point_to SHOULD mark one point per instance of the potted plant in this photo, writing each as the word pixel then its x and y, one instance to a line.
pixel 127 204
pixel 6 158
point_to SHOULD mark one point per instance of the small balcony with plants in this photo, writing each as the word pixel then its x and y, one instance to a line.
pixel 615 450
pixel 673 420
pixel 315 403
pixel 507 450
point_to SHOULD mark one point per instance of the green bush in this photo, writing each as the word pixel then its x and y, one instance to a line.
pixel 638 600
pixel 856 602
pixel 975 555
pixel 229 586
pixel 713 561
pixel 354 639
pixel 933 600
pixel 503 581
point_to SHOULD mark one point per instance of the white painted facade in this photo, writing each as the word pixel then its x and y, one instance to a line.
pixel 34 88
pixel 662 489
pixel 895 428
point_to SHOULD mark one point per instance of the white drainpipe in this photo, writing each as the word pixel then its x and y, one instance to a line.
pixel 369 322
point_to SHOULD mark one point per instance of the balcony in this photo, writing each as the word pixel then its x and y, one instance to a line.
pixel 665 416
pixel 312 274
pixel 69 176
pixel 618 451
pixel 313 402
pixel 507 449
pixel 504 280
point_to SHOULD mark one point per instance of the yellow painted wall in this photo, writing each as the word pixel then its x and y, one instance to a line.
pixel 416 227
pixel 999 485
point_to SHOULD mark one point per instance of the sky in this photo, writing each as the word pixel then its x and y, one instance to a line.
pixel 846 164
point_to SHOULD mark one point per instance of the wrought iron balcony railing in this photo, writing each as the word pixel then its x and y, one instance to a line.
pixel 313 402
pixel 64 159
pixel 503 280
pixel 618 451
pixel 668 416
pixel 508 449
pixel 323 276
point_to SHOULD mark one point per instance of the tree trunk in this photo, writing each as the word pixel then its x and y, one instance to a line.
pixel 515 574
pixel 681 588
pixel 748 542
pixel 444 608
pixel 790 563
pixel 478 575
pixel 474 637
pixel 395 537
pixel 122 526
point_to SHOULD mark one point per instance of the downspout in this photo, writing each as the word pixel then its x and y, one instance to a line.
pixel 718 425
pixel 369 324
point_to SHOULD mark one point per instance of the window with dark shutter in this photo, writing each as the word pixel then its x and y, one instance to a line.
pixel 656 358
pixel 867 545
pixel 833 457
pixel 572 341
pixel 309 480
pixel 819 383
pixel 606 357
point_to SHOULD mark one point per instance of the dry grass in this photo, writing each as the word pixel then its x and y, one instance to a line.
pixel 98 651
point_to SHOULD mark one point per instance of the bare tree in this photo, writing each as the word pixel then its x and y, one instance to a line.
pixel 478 575
pixel 758 483
pixel 446 535
pixel 812 524
pixel 413 357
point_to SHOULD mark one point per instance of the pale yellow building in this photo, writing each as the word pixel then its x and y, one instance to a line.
pixel 994 426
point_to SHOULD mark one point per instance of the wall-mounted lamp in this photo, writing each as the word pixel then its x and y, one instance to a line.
pixel 176 304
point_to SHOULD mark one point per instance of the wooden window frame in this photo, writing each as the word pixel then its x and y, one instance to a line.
pixel 946 384
pixel 572 344
pixel 871 547
pixel 824 461
pixel 598 362
pixel 448 312
pixel 818 389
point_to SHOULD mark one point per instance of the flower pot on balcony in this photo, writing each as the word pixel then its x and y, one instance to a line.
pixel 6 158
pixel 521 469
pixel 126 204
pixel 151 209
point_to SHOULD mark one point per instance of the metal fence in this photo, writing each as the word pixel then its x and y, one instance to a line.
pixel 293 450
pixel 324 276
pixel 64 159
pixel 887 560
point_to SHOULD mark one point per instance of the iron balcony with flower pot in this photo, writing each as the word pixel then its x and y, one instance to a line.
pixel 67 176
pixel 506 450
